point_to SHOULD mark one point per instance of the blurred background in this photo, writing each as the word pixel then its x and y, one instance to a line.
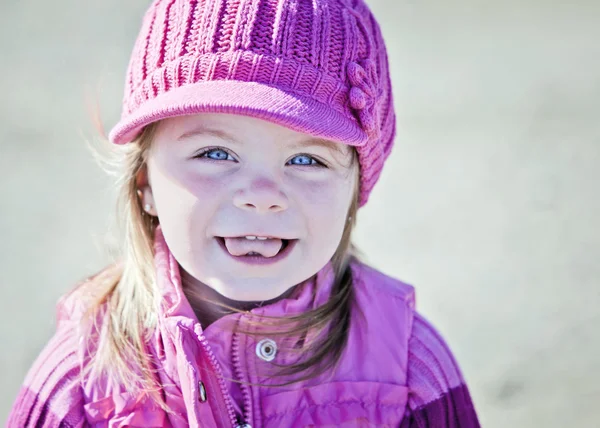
pixel 489 204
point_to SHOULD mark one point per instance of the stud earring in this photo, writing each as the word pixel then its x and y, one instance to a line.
pixel 147 207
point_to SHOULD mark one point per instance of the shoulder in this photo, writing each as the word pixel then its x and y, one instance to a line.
pixel 51 394
pixel 437 389
pixel 431 365
pixel 438 394
pixel 377 284
pixel 74 306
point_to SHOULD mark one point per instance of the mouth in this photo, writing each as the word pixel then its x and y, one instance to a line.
pixel 256 249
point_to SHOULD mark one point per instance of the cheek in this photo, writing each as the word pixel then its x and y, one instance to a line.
pixel 185 200
pixel 325 207
pixel 182 188
pixel 204 187
pixel 319 193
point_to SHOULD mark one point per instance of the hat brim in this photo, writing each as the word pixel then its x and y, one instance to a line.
pixel 254 99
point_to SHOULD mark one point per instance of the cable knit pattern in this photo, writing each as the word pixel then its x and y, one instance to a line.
pixel 316 66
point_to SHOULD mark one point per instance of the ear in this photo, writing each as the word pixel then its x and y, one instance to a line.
pixel 144 191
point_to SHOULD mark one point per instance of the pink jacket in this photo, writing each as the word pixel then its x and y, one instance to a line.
pixel 395 371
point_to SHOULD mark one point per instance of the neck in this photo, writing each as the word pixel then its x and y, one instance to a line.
pixel 209 305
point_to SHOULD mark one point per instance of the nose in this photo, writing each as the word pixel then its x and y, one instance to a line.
pixel 261 195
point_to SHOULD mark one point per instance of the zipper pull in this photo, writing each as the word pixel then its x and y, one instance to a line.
pixel 241 423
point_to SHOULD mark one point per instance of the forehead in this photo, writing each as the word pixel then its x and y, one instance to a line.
pixel 238 128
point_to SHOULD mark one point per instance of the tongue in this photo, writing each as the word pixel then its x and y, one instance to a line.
pixel 243 246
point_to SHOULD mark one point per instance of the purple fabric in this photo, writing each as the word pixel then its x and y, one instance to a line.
pixel 438 395
pixel 40 413
pixel 51 395
pixel 454 409
pixel 396 368
pixel 318 67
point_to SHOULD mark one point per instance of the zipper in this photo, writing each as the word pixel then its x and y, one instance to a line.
pixel 235 351
pixel 235 421
pixel 224 393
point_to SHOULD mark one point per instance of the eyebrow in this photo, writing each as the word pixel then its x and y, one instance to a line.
pixel 320 142
pixel 203 130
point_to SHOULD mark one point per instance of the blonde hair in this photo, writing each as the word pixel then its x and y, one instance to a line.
pixel 118 323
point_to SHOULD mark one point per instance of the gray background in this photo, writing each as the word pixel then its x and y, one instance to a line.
pixel 488 205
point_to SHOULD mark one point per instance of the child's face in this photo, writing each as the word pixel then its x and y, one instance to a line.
pixel 215 179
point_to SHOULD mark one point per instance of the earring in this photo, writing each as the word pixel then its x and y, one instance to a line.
pixel 349 219
pixel 147 207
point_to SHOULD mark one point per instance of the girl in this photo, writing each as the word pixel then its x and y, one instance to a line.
pixel 254 129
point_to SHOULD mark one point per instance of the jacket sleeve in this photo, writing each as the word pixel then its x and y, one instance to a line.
pixel 51 395
pixel 438 395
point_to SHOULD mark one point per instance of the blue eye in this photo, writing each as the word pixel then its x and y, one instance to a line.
pixel 215 154
pixel 303 160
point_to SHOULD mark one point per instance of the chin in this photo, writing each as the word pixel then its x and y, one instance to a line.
pixel 251 289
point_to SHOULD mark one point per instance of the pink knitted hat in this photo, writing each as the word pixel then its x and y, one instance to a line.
pixel 316 66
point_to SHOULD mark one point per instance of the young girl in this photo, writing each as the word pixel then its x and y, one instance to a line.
pixel 254 129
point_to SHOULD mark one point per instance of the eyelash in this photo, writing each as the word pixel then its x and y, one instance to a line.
pixel 317 164
pixel 203 154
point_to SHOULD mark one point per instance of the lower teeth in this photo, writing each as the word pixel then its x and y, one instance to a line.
pixel 252 253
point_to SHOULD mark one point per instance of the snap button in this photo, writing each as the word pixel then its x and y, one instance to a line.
pixel 201 392
pixel 266 349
